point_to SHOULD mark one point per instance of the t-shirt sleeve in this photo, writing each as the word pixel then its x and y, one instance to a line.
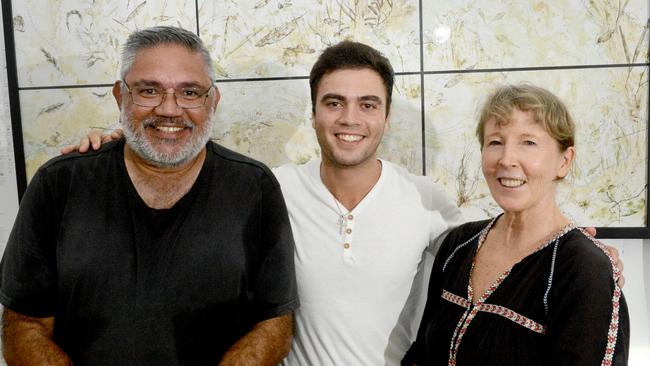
pixel 275 284
pixel 450 213
pixel 417 352
pixel 28 269
pixel 588 317
pixel 436 199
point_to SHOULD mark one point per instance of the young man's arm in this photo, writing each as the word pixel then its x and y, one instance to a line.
pixel 28 341
pixel 266 344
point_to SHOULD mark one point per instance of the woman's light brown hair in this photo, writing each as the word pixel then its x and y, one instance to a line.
pixel 548 110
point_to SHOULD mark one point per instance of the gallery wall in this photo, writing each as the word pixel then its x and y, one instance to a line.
pixel 447 54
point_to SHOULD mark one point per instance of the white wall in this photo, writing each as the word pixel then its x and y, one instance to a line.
pixel 635 253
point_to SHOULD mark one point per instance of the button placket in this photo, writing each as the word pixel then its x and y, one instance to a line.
pixel 348 232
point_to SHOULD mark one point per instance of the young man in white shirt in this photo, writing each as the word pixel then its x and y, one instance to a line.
pixel 361 224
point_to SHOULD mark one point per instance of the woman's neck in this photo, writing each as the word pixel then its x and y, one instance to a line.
pixel 526 230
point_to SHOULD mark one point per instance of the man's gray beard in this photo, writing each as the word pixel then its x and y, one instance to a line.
pixel 137 140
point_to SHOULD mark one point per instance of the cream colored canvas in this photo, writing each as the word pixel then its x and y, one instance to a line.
pixel 265 48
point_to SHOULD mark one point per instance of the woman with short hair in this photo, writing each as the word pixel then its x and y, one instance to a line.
pixel 527 287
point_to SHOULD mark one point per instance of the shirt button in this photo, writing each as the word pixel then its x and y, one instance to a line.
pixel 350 217
pixel 346 245
pixel 348 231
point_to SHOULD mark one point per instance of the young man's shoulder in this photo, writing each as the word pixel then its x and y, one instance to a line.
pixel 433 195
pixel 291 174
pixel 237 161
pixel 422 182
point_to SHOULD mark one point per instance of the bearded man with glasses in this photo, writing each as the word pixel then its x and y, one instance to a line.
pixel 161 249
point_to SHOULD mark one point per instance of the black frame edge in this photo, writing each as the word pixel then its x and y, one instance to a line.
pixel 423 128
pixel 645 234
pixel 622 233
pixel 14 100
pixel 196 13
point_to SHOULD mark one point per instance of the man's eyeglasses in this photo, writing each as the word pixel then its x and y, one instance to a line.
pixel 152 96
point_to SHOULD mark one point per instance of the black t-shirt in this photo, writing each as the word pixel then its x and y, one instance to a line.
pixel 131 285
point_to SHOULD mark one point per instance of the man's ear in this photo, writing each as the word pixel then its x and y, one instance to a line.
pixel 117 93
pixel 216 98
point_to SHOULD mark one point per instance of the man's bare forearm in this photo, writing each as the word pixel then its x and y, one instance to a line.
pixel 27 341
pixel 265 345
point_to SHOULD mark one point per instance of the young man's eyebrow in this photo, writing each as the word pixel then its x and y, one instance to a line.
pixel 332 96
pixel 372 98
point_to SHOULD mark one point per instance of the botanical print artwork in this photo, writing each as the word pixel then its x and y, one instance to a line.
pixel 78 42
pixel 608 183
pixel 467 35
pixel 55 118
pixel 447 55
pixel 271 38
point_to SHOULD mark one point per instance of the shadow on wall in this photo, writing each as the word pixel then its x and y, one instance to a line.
pixel 273 130
pixel 402 140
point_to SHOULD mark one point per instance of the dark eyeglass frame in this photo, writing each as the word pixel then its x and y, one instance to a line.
pixel 204 95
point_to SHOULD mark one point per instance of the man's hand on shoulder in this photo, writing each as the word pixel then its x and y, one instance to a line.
pixel 94 139
pixel 613 252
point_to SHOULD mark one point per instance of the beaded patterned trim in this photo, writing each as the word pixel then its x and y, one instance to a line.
pixel 549 282
pixel 472 310
pixel 470 314
pixel 455 299
pixel 498 310
pixel 444 266
pixel 612 333
pixel 514 316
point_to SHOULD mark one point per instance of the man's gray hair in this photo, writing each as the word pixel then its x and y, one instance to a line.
pixel 163 35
